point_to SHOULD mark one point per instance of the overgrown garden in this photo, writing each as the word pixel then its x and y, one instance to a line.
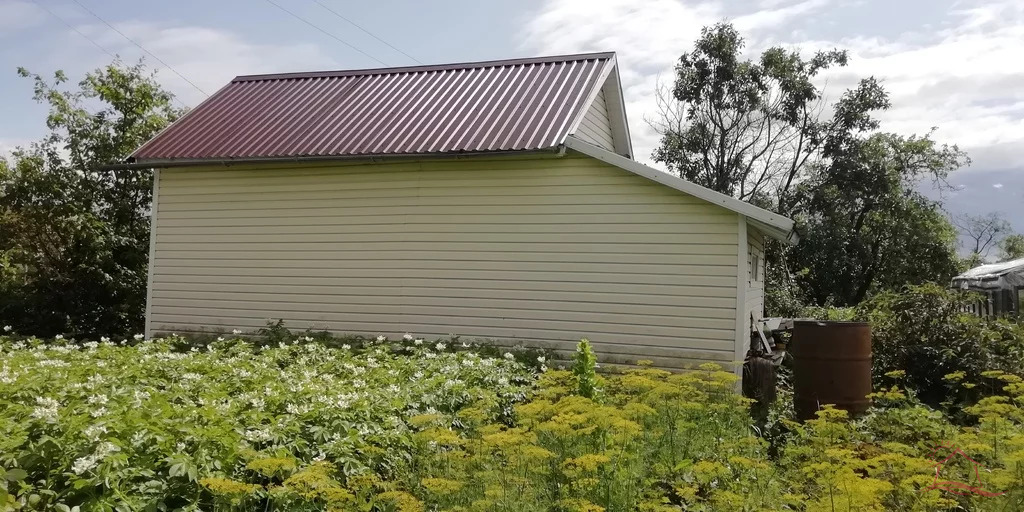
pixel 301 422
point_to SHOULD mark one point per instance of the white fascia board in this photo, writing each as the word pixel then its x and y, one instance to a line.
pixel 602 77
pixel 616 104
pixel 776 226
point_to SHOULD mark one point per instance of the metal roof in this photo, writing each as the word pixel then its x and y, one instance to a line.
pixel 511 105
pixel 993 270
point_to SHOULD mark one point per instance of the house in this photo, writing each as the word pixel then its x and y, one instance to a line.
pixel 489 199
pixel 1001 284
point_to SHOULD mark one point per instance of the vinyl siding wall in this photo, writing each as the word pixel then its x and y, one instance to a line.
pixel 543 251
pixel 596 126
pixel 755 285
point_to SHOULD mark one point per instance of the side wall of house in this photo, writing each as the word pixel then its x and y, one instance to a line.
pixel 596 125
pixel 755 276
pixel 540 251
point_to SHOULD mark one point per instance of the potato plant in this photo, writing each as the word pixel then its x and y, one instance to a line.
pixel 157 425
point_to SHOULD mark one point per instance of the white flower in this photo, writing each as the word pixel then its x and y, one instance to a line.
pixel 46 409
pixel 441 346
pixel 419 341
pixel 93 432
pixel 465 345
pixel 138 337
pixel 382 338
pixel 543 368
pixel 104 339
pixel 509 356
pixel 236 331
pixel 407 336
pixel 346 346
pixel 257 435
pixel 541 359
pixel 84 464
pixel 220 338
pixel 307 339
pixel 58 337
pixel 8 328
pixel 98 412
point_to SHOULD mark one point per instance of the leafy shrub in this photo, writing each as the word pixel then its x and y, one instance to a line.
pixel 390 428
pixel 584 369
pixel 924 331
pixel 161 425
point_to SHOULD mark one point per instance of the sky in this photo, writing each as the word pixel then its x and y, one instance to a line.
pixel 955 66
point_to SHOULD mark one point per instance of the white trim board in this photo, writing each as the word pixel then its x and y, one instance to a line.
pixel 155 206
pixel 609 82
pixel 773 225
pixel 742 327
pixel 591 96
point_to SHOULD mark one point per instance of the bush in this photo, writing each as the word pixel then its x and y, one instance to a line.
pixel 924 331
pixel 162 425
pixel 400 427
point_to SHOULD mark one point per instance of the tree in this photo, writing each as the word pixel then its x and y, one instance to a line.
pixel 984 231
pixel 761 130
pixel 754 129
pixel 74 239
pixel 1011 247
pixel 866 227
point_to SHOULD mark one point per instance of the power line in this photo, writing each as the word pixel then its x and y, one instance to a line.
pixel 87 38
pixel 371 34
pixel 158 59
pixel 332 36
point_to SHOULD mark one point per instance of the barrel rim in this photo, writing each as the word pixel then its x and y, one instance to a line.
pixel 829 323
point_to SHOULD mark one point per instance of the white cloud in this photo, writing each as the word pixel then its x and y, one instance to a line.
pixel 208 57
pixel 776 13
pixel 997 185
pixel 648 38
pixel 967 77
pixel 16 15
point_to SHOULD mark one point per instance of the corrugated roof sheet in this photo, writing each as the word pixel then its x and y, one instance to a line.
pixel 510 105
pixel 993 269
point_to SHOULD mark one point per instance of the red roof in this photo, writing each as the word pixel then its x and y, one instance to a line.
pixel 510 105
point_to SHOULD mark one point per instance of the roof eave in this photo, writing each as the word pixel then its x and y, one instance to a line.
pixel 427 67
pixel 139 164
pixel 773 225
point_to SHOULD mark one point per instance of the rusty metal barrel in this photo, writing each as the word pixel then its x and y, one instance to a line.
pixel 832 365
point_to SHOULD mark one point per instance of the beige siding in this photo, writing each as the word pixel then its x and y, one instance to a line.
pixel 596 127
pixel 755 285
pixel 544 250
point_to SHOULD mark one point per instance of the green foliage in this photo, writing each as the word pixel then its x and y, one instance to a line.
pixel 865 227
pixel 160 426
pixel 753 129
pixel 74 240
pixel 1011 247
pixel 944 352
pixel 584 369
pixel 743 127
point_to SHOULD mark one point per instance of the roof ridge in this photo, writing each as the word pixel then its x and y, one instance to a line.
pixel 429 67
